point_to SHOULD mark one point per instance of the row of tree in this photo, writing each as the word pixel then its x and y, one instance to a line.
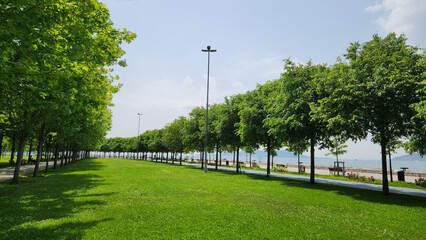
pixel 56 81
pixel 378 89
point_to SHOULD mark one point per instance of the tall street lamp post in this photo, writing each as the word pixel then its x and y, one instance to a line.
pixel 139 138
pixel 208 50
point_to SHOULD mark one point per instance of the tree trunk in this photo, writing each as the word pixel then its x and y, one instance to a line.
pixel 29 151
pixel 55 163
pixel 49 142
pixel 1 144
pixel 180 160
pixel 312 179
pixel 298 163
pixel 268 158
pixel 238 159
pixel 217 156
pixel 202 160
pixel 70 155
pixel 233 159
pixel 390 166
pixel 38 157
pixel 62 155
pixel 21 148
pixel 39 150
pixel 74 156
pixel 383 144
pixel 220 157
pixel 67 152
pixel 12 154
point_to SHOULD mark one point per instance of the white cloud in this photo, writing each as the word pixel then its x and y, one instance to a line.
pixel 247 73
pixel 163 100
pixel 238 86
pixel 187 82
pixel 160 100
pixel 374 8
pixel 403 17
pixel 212 83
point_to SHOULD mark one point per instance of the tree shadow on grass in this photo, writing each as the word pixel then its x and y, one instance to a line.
pixel 50 202
pixel 68 230
pixel 355 193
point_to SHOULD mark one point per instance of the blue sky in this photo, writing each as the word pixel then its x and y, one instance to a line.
pixel 166 73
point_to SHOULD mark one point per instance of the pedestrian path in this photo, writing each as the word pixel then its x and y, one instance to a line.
pixel 372 187
pixel 7 172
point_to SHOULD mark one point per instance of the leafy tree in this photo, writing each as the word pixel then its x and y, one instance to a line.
pixel 382 84
pixel 214 140
pixel 417 141
pixel 393 145
pixel 173 136
pixel 298 148
pixel 48 44
pixel 254 127
pixel 154 141
pixel 228 122
pixel 337 147
pixel 295 110
pixel 194 136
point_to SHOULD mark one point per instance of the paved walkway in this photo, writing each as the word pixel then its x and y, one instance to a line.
pixel 372 187
pixel 7 172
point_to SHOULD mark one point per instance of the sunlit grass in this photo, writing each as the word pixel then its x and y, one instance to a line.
pixel 129 199
pixel 4 161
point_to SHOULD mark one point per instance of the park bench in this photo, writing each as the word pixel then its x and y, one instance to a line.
pixel 337 169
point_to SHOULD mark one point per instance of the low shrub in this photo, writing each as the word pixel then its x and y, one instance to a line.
pixel 420 182
pixel 355 177
pixel 280 169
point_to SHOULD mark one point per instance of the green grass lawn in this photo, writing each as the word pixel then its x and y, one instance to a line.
pixel 4 161
pixel 129 199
